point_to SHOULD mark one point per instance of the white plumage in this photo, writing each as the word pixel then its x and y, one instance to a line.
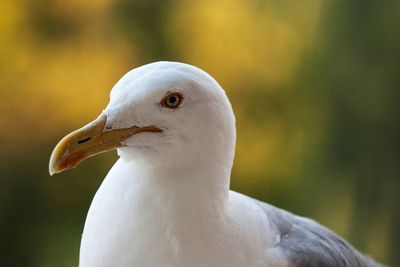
pixel 166 201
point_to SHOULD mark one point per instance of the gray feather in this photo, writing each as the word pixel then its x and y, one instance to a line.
pixel 305 243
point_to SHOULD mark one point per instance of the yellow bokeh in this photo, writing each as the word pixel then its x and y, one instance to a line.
pixel 247 40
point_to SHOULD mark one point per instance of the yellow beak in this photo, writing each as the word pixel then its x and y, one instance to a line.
pixel 88 141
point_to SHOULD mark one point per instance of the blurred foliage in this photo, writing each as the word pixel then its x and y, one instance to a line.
pixel 314 84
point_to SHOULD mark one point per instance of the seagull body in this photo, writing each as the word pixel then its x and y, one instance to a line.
pixel 146 225
pixel 166 201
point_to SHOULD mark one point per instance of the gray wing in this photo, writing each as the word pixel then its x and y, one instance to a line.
pixel 305 243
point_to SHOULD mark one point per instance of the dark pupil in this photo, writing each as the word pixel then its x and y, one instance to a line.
pixel 172 99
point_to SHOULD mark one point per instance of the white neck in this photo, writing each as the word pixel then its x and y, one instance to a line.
pixel 180 190
pixel 138 207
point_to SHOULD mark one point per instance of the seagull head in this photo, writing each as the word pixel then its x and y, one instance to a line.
pixel 162 114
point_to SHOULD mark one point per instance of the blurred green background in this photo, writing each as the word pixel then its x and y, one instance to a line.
pixel 315 85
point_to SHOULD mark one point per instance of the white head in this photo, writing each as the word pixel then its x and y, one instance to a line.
pixel 197 129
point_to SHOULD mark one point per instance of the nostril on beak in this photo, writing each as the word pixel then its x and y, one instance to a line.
pixel 84 140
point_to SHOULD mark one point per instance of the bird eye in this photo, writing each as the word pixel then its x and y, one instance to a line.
pixel 172 100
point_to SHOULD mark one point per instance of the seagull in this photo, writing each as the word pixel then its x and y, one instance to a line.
pixel 166 201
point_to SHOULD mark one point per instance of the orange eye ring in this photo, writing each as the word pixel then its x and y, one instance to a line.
pixel 172 100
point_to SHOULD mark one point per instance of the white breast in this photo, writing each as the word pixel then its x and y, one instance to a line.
pixel 135 223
